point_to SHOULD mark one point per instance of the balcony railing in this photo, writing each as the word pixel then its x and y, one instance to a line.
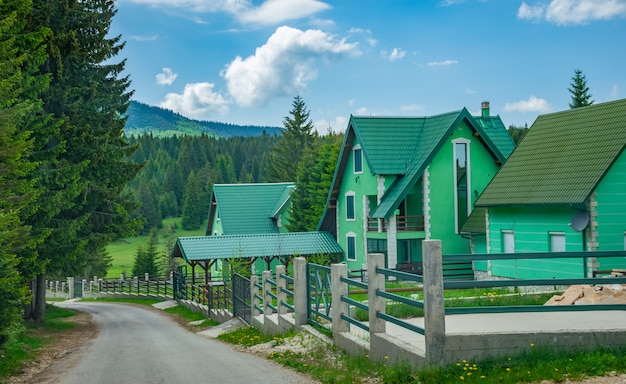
pixel 403 224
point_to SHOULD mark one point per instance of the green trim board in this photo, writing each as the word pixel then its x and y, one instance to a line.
pixel 205 248
pixel 562 158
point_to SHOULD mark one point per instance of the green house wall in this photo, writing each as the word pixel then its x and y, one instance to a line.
pixel 532 226
pixel 531 229
pixel 362 184
pixel 442 185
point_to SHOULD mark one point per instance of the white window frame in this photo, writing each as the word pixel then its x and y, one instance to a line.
pixel 354 157
pixel 507 235
pixel 562 244
pixel 350 235
pixel 353 195
pixel 467 143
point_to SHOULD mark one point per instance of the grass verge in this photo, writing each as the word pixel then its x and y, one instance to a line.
pixel 22 344
pixel 329 365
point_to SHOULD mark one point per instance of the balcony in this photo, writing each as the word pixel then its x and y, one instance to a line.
pixel 403 224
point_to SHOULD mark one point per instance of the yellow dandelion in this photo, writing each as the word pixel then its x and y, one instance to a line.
pixel 386 357
pixel 556 369
pixel 532 345
pixel 483 377
pixel 461 377
pixel 458 364
pixel 508 369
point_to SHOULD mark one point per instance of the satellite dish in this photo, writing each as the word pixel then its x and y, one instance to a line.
pixel 579 221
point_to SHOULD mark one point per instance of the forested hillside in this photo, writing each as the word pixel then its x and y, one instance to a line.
pixel 143 118
pixel 179 173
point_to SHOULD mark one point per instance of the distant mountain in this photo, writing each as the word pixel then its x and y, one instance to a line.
pixel 144 118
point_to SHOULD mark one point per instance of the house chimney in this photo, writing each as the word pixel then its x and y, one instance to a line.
pixel 484 107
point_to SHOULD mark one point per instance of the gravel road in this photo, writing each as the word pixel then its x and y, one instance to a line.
pixel 137 345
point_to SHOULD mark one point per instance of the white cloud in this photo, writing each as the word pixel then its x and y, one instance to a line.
pixel 615 90
pixel 530 12
pixel 362 111
pixel 566 12
pixel 533 104
pixel 442 63
pixel 167 77
pixel 269 12
pixel 277 11
pixel 447 3
pixel 197 101
pixel 283 66
pixel 324 127
pixel 143 38
pixel 396 54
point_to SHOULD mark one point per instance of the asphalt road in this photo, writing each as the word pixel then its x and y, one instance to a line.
pixel 138 345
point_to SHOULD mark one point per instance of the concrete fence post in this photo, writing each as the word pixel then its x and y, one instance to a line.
pixel 70 287
pixel 434 309
pixel 136 283
pixel 63 288
pixel 82 286
pixel 99 285
pixel 300 289
pixel 267 289
pixel 281 285
pixel 146 277
pixel 338 289
pixel 121 278
pixel 376 282
pixel 56 286
pixel 254 292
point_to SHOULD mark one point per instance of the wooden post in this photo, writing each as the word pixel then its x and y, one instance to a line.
pixel 434 308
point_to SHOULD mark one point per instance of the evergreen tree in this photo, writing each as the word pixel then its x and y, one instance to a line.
pixel 193 212
pixel 579 91
pixel 313 181
pixel 81 151
pixel 517 133
pixel 146 258
pixel 297 138
pixel 18 52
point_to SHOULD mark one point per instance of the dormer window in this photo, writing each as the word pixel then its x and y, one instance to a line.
pixel 357 154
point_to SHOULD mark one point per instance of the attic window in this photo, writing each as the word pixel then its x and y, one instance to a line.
pixel 357 154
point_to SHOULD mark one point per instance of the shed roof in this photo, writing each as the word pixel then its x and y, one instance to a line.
pixel 562 158
pixel 249 208
pixel 200 248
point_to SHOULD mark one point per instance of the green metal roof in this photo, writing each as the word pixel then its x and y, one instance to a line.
pixel 562 158
pixel 431 136
pixel 199 248
pixel 476 222
pixel 249 208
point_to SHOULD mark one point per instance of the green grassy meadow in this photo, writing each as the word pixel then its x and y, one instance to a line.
pixel 123 251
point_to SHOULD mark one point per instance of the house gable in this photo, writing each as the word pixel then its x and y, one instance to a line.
pixel 247 208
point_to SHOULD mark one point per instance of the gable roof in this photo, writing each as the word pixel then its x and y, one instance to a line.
pixel 248 208
pixel 561 159
pixel 201 248
pixel 404 146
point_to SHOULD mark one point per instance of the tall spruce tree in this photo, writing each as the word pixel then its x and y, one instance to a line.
pixel 20 54
pixel 579 91
pixel 297 138
pixel 81 151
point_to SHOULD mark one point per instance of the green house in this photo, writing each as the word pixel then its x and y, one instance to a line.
pixel 400 180
pixel 245 209
pixel 248 222
pixel 562 189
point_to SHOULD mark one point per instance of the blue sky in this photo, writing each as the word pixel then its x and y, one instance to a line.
pixel 243 61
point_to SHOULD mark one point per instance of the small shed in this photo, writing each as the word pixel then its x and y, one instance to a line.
pixel 205 251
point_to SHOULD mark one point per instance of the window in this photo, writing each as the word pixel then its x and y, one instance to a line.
pixel 350 207
pixel 357 153
pixel 351 246
pixel 508 242
pixel 557 241
pixel 462 199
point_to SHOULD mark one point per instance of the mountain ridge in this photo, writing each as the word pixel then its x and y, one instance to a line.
pixel 144 118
